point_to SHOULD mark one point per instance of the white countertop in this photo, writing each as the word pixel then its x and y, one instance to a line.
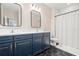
pixel 20 33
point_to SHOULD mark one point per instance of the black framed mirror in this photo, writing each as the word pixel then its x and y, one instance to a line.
pixel 10 14
pixel 35 19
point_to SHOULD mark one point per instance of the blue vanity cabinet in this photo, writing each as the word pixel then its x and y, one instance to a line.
pixel 46 40
pixel 23 45
pixel 6 46
pixel 37 37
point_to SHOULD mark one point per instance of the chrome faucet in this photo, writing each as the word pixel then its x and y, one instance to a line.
pixel 12 31
pixel 36 29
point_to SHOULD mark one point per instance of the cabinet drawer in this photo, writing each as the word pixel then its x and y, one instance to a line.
pixel 47 34
pixel 20 37
pixel 5 45
pixel 23 42
pixel 6 49
pixel 5 39
pixel 37 35
pixel 23 48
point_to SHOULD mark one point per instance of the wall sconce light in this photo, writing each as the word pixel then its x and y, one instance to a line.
pixel 35 7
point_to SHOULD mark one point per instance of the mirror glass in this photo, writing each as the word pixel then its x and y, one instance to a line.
pixel 10 14
pixel 35 19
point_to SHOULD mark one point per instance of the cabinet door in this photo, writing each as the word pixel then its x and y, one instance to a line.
pixel 23 48
pixel 37 43
pixel 46 41
pixel 6 49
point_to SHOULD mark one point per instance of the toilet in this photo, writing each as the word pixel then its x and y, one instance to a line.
pixel 54 42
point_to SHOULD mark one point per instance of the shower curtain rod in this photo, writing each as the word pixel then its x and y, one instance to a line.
pixel 67 13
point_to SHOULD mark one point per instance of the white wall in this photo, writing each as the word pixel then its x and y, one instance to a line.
pixel 45 16
pixel 53 13
pixel 26 17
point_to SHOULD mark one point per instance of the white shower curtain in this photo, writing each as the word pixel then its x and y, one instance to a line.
pixel 67 29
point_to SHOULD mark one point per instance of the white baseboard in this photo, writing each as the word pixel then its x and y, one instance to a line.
pixel 71 50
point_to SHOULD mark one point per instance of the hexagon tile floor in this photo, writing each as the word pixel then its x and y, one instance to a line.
pixel 53 51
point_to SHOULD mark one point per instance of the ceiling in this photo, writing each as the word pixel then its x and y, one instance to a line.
pixel 60 6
